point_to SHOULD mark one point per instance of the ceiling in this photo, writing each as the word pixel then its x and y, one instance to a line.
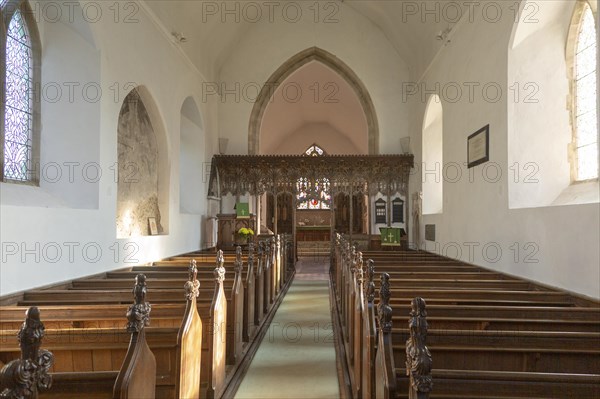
pixel 212 35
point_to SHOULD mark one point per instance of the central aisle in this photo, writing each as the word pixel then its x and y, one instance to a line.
pixel 296 358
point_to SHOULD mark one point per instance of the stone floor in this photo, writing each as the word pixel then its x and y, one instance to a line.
pixel 296 358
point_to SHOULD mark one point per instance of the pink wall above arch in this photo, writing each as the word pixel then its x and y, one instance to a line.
pixel 314 104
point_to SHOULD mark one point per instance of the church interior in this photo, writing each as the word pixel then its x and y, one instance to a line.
pixel 299 199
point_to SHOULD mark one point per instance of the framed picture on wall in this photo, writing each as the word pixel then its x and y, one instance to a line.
pixel 152 226
pixel 478 147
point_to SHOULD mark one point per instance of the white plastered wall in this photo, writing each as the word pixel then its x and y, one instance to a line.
pixel 46 238
pixel 556 245
pixel 353 39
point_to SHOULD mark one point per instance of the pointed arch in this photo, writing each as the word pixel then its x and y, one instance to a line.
pixel 292 65
pixel 144 166
pixel 433 156
pixel 582 71
pixel 191 158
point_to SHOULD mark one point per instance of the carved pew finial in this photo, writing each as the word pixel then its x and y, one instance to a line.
pixel 250 248
pixel 370 286
pixel 238 259
pixel 359 267
pixel 138 314
pixel 384 310
pixel 418 358
pixel 353 259
pixel 137 376
pixel 238 253
pixel 220 269
pixel 22 378
pixel 192 286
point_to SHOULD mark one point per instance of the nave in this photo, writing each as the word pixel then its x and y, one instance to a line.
pixel 275 328
pixel 296 359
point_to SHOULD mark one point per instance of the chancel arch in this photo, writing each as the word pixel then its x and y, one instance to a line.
pixel 143 167
pixel 314 79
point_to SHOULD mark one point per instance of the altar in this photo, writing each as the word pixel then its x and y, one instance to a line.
pixel 313 233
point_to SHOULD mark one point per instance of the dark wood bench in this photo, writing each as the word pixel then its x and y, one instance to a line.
pixel 480 320
pixel 79 347
pixel 95 305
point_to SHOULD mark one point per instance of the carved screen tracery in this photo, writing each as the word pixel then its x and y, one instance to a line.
pixel 349 174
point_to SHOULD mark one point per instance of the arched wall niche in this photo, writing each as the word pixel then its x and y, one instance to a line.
pixel 433 149
pixel 191 159
pixel 7 12
pixel 539 81
pixel 144 167
pixel 292 65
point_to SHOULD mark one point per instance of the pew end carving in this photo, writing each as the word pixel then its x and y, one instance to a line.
pixel 218 333
pixel 369 329
pixel 418 358
pixel 25 377
pixel 385 370
pixel 137 377
pixel 189 340
pixel 235 315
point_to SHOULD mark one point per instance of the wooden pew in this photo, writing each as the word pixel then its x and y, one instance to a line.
pixel 469 383
pixel 234 288
pixel 137 377
pixel 79 316
pixel 190 340
pixel 27 376
pixel 103 349
pixel 503 308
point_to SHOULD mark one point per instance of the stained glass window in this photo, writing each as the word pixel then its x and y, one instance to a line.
pixel 313 194
pixel 314 151
pixel 18 109
pixel 586 99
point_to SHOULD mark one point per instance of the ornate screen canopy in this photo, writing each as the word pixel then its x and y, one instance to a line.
pixel 258 174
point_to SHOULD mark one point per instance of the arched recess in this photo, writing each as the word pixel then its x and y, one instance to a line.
pixel 144 166
pixel 8 10
pixel 539 81
pixel 191 159
pixel 433 149
pixel 292 65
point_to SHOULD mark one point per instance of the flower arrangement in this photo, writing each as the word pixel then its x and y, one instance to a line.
pixel 245 233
